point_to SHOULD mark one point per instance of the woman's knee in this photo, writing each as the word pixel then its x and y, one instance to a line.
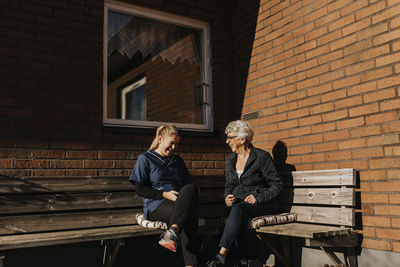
pixel 190 189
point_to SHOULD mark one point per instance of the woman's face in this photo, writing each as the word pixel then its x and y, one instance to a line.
pixel 167 144
pixel 234 141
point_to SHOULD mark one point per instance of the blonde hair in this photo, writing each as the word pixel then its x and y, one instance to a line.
pixel 165 130
pixel 242 129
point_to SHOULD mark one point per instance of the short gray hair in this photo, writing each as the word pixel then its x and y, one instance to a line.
pixel 242 129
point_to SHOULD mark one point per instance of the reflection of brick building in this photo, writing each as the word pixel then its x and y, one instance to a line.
pixel 170 94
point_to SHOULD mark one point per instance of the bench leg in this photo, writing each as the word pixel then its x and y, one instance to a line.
pixel 2 257
pixel 333 257
pixel 350 256
pixel 275 251
pixel 110 251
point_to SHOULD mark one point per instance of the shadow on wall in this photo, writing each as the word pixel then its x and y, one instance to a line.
pixel 244 22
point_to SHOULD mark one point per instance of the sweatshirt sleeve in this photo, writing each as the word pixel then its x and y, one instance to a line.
pixel 147 191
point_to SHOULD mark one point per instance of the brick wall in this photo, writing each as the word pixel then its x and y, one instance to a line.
pixel 324 77
pixel 51 55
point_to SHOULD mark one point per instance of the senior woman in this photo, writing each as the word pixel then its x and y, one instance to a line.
pixel 251 188
pixel 163 181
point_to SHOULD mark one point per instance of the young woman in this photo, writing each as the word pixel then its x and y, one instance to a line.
pixel 161 178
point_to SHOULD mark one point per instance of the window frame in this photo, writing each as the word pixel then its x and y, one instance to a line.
pixel 206 87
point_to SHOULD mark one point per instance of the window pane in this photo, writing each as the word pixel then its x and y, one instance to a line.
pixel 167 56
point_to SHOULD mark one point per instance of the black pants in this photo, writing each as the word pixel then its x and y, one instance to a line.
pixel 182 212
pixel 238 218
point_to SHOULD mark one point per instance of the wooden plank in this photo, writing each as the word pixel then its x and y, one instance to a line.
pixel 73 236
pixel 304 230
pixel 324 215
pixel 335 177
pixel 66 221
pixel 319 196
pixel 12 204
pixel 10 185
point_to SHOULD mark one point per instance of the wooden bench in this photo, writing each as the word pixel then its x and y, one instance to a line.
pixel 325 204
pixel 49 211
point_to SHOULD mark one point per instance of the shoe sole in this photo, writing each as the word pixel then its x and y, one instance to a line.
pixel 170 245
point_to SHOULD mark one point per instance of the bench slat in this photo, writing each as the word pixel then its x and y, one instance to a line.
pixel 73 236
pixel 304 230
pixel 336 177
pixel 12 204
pixel 10 185
pixel 319 196
pixel 324 215
pixel 66 221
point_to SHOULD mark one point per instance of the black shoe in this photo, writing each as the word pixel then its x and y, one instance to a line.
pixel 213 263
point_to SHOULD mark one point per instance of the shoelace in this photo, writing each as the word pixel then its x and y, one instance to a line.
pixel 170 234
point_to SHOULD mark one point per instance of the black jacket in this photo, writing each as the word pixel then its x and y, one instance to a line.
pixel 259 177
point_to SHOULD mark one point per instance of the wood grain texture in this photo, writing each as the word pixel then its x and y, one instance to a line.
pixel 319 196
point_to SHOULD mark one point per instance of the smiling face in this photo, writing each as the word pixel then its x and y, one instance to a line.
pixel 234 141
pixel 167 144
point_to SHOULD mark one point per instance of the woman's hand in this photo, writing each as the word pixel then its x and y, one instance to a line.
pixel 171 195
pixel 250 199
pixel 230 200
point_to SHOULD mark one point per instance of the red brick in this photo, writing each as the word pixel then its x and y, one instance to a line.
pixel 304 149
pixel 353 7
pixel 348 102
pixel 365 23
pixel 382 117
pixel 373 175
pixel 307 83
pixel 354 164
pixel 386 37
pixel 338 4
pixel 325 147
pixel 393 174
pixel 392 151
pixel 391 234
pixel 338 155
pixel 376 244
pixel 374 52
pixel 390 81
pixel 317 33
pixel 362 110
pixel 298 113
pixel 394 199
pixel 288 124
pixel 311 139
pixel 369 152
pixel 321 108
pixel 376 221
pixel 384 163
pixel 362 88
pixel 336 135
pixel 383 140
pixel 354 143
pixel 330 37
pixel 395 23
pixel 325 20
pixel 319 89
pixel 358 47
pixel 358 68
pixel 286 107
pixel 391 127
pixel 299 131
pixel 371 9
pixel 31 164
pixel 306 65
pixel 331 76
pixel 326 127
pixel 319 51
pixel 342 62
pixel 367 209
pixel 310 120
pixel 314 157
pixel 389 59
pixel 325 166
pixel 344 41
pixel 318 70
pixel 386 14
pixel 335 115
pixel 365 131
pixel 330 56
pixel 341 22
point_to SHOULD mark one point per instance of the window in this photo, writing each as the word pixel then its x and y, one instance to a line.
pixel 156 69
